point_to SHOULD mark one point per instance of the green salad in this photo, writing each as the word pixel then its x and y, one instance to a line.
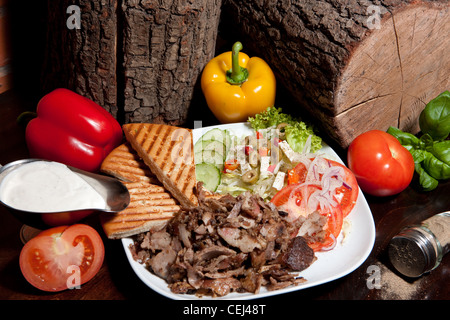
pixel 258 162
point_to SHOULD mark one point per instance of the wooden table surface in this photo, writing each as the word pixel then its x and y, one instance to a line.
pixel 117 281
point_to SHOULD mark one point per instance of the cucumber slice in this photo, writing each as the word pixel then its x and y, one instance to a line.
pixel 210 156
pixel 215 145
pixel 228 140
pixel 200 145
pixel 214 134
pixel 209 175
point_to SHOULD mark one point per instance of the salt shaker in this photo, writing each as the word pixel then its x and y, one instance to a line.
pixel 419 249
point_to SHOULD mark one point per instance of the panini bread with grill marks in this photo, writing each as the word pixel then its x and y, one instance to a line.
pixel 124 163
pixel 150 208
pixel 168 152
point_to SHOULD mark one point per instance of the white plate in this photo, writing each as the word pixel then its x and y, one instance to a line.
pixel 353 246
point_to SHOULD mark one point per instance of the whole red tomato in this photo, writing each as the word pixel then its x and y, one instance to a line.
pixel 382 166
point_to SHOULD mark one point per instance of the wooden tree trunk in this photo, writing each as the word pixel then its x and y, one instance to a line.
pixel 166 46
pixel 354 65
pixel 140 60
pixel 83 60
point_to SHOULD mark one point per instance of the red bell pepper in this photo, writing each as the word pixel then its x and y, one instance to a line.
pixel 72 129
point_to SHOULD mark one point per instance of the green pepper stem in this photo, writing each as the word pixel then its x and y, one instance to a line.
pixel 237 74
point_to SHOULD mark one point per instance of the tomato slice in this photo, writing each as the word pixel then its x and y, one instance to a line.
pixel 299 198
pixel 298 174
pixel 294 198
pixel 332 228
pixel 62 257
pixel 231 164
pixel 345 195
pixel 348 193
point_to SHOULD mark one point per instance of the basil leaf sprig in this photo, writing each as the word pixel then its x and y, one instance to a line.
pixel 435 118
pixel 431 152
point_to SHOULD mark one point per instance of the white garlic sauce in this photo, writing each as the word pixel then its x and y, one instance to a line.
pixel 48 187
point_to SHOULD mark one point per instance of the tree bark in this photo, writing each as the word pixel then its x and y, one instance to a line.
pixel 140 60
pixel 166 46
pixel 83 60
pixel 354 65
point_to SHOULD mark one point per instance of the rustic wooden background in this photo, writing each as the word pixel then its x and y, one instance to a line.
pixel 349 66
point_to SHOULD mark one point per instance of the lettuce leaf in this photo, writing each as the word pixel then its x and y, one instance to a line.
pixel 297 135
pixel 271 117
pixel 297 132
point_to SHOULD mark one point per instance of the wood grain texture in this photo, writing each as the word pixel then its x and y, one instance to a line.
pixel 354 65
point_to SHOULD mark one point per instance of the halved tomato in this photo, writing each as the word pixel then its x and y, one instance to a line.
pixel 62 257
pixel 294 198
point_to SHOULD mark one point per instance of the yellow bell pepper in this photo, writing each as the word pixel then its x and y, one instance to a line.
pixel 237 87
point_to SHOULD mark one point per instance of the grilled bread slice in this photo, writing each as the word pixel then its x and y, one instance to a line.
pixel 150 208
pixel 124 163
pixel 168 151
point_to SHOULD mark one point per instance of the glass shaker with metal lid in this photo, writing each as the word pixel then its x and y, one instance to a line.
pixel 418 249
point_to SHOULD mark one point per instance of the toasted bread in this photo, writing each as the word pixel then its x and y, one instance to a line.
pixel 124 163
pixel 168 152
pixel 150 208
